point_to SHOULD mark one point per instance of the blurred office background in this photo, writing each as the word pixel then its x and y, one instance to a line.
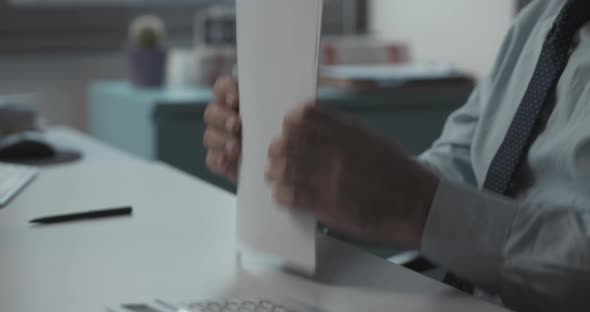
pixel 72 58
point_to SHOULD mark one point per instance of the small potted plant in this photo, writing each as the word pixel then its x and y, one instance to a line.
pixel 147 52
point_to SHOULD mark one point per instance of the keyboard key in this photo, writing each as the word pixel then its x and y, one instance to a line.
pixel 237 305
pixel 13 178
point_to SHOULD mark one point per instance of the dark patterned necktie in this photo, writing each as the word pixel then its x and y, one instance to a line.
pixel 527 120
pixel 552 62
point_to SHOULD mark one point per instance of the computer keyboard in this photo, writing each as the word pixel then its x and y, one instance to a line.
pixel 217 305
pixel 13 178
pixel 238 305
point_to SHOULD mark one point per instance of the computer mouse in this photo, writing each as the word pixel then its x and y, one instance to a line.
pixel 25 146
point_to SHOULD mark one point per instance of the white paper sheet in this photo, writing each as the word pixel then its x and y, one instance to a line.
pixel 278 48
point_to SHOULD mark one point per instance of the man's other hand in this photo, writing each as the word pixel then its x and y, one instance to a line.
pixel 353 181
pixel 223 135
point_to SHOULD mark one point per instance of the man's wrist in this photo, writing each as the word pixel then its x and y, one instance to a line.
pixel 430 183
pixel 466 231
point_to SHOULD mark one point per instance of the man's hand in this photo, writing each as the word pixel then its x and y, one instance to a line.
pixel 223 135
pixel 351 180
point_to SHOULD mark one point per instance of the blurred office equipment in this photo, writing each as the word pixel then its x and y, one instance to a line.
pixel 346 17
pixel 215 44
pixel 357 50
pixel 180 70
pixel 15 117
pixel 216 25
pixel 147 51
pixel 377 78
pixel 13 179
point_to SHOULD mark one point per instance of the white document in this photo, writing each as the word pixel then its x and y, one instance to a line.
pixel 278 51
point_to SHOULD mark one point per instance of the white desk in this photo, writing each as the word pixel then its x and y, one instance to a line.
pixel 178 245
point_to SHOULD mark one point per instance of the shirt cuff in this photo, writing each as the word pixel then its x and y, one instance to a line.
pixel 466 232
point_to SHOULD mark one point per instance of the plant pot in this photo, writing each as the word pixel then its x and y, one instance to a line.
pixel 147 67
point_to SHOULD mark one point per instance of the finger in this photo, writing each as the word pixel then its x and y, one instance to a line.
pixel 278 148
pixel 292 162
pixel 226 92
pixel 302 174
pixel 221 165
pixel 277 170
pixel 310 111
pixel 214 139
pixel 294 197
pixel 302 143
pixel 231 172
pixel 299 116
pixel 284 195
pixel 221 142
pixel 307 128
pixel 233 149
pixel 290 171
pixel 291 145
pixel 215 162
pixel 218 116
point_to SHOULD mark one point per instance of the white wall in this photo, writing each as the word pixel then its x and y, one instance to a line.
pixel 60 81
pixel 467 33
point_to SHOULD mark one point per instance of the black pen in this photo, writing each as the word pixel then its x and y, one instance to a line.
pixel 97 214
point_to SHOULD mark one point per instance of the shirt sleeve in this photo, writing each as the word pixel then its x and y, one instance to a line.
pixel 535 257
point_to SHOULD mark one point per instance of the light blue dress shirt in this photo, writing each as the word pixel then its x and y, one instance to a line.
pixel 533 251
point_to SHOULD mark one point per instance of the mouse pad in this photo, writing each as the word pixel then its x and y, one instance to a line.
pixel 62 156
